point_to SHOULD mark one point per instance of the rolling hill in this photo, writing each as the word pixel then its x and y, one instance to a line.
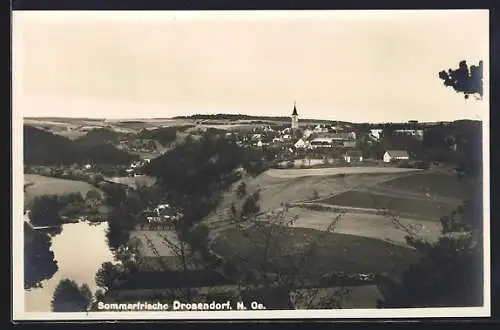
pixel 45 148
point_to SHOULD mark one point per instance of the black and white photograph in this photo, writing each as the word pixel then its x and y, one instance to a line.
pixel 250 164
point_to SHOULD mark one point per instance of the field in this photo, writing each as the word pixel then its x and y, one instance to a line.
pixel 275 191
pixel 141 180
pixel 438 184
pixel 37 185
pixel 75 127
pixel 366 225
pixel 404 206
pixel 363 240
pixel 277 249
pixel 161 250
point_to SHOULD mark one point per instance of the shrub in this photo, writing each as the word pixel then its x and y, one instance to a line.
pixel 250 206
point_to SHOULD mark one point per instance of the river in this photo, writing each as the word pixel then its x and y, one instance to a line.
pixel 80 250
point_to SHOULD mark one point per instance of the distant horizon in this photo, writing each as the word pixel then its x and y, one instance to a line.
pixel 254 117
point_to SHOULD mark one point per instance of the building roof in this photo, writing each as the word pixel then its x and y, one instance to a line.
pixel 397 153
pixel 294 113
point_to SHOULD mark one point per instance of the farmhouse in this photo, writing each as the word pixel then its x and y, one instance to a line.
pixel 391 155
pixel 353 156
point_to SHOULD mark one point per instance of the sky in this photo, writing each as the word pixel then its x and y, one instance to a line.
pixel 359 66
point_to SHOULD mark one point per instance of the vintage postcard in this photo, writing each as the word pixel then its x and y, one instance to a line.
pixel 250 165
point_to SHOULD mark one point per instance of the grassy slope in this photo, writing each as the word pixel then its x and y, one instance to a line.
pixel 425 195
pixel 333 251
pixel 432 183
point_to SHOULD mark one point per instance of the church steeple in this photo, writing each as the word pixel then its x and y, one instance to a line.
pixel 294 113
pixel 295 117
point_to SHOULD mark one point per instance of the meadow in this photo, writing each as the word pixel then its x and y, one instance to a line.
pixel 37 185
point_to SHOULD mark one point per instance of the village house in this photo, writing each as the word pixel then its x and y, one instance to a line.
pixel 353 156
pixel 302 144
pixel 392 155
pixel 321 128
pixel 375 134
pixel 417 133
pixel 321 142
pixel 343 136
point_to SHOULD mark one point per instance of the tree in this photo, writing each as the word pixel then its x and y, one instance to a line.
pixel 107 275
pixel 39 262
pixel 450 272
pixel 132 204
pixel 45 211
pixel 115 194
pixel 250 206
pixel 241 190
pixel 448 275
pixel 93 198
pixel 69 297
pixel 233 211
pixel 468 81
pixel 117 233
pixel 268 270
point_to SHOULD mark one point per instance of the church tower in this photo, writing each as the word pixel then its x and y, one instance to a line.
pixel 295 118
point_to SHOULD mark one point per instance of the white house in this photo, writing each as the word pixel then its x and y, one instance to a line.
pixel 321 128
pixel 391 155
pixel 352 156
pixel 259 143
pixel 375 133
pixel 301 144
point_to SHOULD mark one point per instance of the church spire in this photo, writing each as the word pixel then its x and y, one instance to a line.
pixel 294 113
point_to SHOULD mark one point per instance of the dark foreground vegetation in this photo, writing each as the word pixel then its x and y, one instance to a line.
pixel 39 262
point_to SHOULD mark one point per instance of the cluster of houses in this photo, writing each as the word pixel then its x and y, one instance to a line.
pixel 137 145
pixel 318 137
pixel 375 134
pixel 135 167
pixel 163 214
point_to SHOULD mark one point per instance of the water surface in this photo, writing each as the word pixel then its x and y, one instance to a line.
pixel 79 250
